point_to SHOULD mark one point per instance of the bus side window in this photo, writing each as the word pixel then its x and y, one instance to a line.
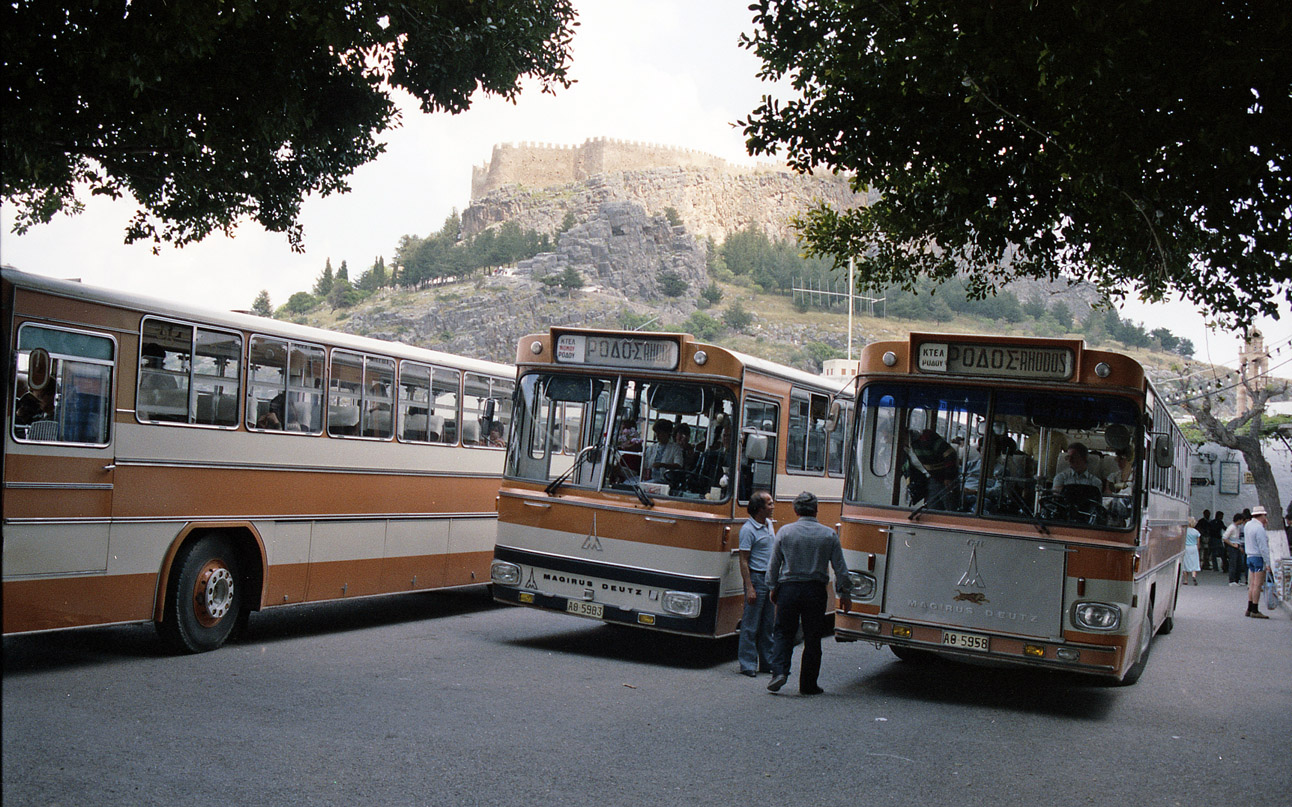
pixel 63 385
pixel 758 448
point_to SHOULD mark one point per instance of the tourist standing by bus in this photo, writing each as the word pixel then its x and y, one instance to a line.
pixel 756 539
pixel 797 575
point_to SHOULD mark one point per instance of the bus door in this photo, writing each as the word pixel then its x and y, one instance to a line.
pixel 59 467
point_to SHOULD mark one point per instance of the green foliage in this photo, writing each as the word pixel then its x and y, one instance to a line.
pixel 702 326
pixel 442 255
pixel 209 113
pixel 1043 140
pixel 630 321
pixel 375 277
pixel 342 295
pixel 711 294
pixel 343 273
pixel 674 218
pixel 261 307
pixel 820 352
pixel 571 279
pixel 323 284
pixel 671 284
pixel 737 318
pixel 774 266
pixel 568 221
pixel 1062 315
pixel 1034 308
pixel 299 303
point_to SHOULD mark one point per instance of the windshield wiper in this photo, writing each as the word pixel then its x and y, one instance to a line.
pixel 584 453
pixel 642 495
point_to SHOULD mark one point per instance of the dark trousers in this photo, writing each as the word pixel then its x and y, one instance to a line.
pixel 1237 563
pixel 799 603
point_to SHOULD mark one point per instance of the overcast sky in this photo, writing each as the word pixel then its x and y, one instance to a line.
pixel 657 71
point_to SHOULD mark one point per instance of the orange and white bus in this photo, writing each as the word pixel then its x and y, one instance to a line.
pixel 184 466
pixel 595 520
pixel 1012 500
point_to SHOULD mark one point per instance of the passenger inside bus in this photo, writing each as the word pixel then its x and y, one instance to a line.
pixel 272 417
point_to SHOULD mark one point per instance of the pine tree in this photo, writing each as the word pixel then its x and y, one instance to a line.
pixel 262 307
pixel 324 283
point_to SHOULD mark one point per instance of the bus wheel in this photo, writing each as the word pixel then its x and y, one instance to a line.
pixel 1145 639
pixel 911 655
pixel 204 596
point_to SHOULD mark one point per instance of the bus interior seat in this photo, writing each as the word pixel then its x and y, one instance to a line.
pixel 756 447
pixel 415 427
pixel 342 419
pixel 43 430
pixel 435 428
pixel 470 432
pixel 378 423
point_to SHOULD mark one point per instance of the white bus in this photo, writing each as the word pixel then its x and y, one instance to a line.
pixel 592 524
pixel 183 466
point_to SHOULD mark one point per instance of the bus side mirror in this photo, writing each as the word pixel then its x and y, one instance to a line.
pixel 832 420
pixel 1163 451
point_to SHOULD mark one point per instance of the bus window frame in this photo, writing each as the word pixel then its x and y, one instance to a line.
pixel 321 392
pixel 810 398
pixel 192 374
pixel 486 421
pixel 113 381
pixel 402 405
pixel 366 399
pixel 742 494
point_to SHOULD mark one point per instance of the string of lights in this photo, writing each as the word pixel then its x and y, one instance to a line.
pixel 1222 386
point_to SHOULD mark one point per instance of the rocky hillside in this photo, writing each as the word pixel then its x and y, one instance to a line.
pixel 623 262
pixel 710 202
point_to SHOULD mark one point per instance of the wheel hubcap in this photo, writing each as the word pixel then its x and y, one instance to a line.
pixel 213 593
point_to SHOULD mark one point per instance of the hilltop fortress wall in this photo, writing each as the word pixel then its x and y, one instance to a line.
pixel 543 165
pixel 538 185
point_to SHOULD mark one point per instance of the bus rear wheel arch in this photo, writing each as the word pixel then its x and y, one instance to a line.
pixel 207 594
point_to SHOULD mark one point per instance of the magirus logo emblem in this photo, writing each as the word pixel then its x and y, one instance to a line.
pixel 972 578
pixel 592 542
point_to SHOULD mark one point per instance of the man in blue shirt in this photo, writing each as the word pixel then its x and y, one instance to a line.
pixel 797 575
pixel 756 539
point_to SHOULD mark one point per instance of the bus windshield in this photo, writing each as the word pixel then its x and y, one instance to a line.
pixel 1038 455
pixel 624 433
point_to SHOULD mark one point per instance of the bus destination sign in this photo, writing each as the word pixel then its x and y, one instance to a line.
pixel 618 351
pixel 998 361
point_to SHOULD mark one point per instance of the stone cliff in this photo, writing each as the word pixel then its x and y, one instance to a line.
pixel 537 186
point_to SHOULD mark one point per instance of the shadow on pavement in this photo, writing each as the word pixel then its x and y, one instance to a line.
pixel 1016 690
pixel 638 646
pixel 36 652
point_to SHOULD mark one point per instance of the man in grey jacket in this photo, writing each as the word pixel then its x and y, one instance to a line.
pixel 797 575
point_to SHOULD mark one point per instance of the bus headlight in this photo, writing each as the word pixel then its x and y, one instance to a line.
pixel 863 586
pixel 1096 616
pixel 504 573
pixel 681 603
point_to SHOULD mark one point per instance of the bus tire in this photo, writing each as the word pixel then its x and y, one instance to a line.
pixel 1145 639
pixel 204 596
pixel 911 655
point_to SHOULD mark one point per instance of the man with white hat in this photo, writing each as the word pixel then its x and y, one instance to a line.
pixel 1257 544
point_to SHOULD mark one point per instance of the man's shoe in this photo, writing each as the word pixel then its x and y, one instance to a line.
pixel 1257 615
pixel 810 690
pixel 778 681
pixel 748 673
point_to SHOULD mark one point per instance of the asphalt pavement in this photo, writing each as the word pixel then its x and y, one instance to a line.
pixel 449 699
